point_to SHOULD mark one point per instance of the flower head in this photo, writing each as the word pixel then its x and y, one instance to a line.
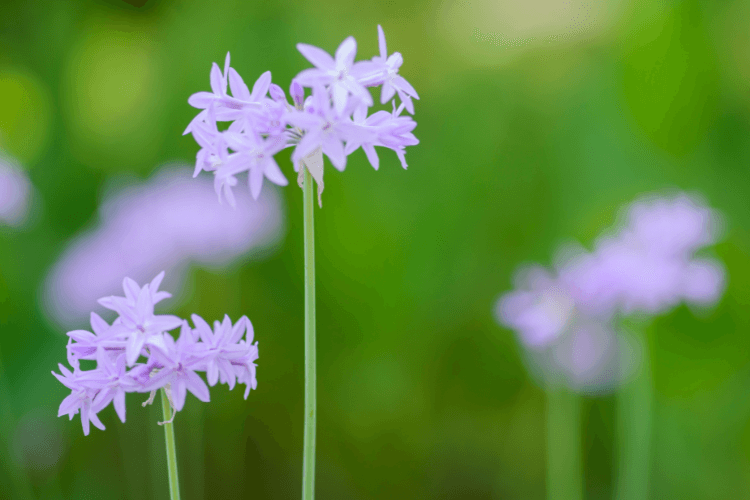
pixel 226 354
pixel 567 317
pixel 332 121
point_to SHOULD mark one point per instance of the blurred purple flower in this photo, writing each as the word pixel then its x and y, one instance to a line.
pixel 15 194
pixel 567 318
pixel 165 223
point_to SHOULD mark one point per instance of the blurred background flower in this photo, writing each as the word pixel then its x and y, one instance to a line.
pixel 15 194
pixel 537 121
pixel 162 225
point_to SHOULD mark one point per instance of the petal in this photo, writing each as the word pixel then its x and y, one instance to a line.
pixel 85 423
pixel 381 43
pixel 372 156
pixel 131 289
pixel 395 61
pixel 102 399
pixel 273 173
pixel 216 80
pixel 133 348
pixel 154 285
pixel 260 89
pixel 313 77
pixel 400 82
pixel 319 57
pixel 346 52
pixel 203 329
pixel 339 95
pixel 197 386
pixel 95 420
pixel 386 92
pixel 226 70
pixel 144 307
pixel 309 143
pixel 303 120
pixel 201 100
pixel 164 323
pixel 99 326
pixel 255 179
pixel 119 402
pixel 239 330
pixel 333 148
pixel 178 393
pixel 69 405
pixel 238 86
pixel 212 372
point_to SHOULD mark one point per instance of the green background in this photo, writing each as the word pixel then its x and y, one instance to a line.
pixel 537 121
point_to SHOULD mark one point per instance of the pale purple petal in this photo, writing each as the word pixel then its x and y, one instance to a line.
pixel 260 89
pixel 318 57
pixel 238 86
pixel 197 386
pixel 178 393
pixel 346 52
pixel 216 80
pixel 119 403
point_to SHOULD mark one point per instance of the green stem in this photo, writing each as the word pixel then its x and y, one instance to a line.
pixel 564 469
pixel 308 467
pixel 174 485
pixel 634 428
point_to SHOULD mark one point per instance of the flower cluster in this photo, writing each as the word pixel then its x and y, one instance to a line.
pixel 137 333
pixel 647 266
pixel 165 223
pixel 333 120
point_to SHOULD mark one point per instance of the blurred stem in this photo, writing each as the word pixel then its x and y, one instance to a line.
pixel 308 467
pixel 21 482
pixel 634 426
pixel 564 469
pixel 174 485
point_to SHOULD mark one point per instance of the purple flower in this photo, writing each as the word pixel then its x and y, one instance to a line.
pixel 567 317
pixel 383 129
pixel 80 399
pixel 388 76
pixel 339 75
pixel 228 107
pixel 320 124
pixel 228 356
pixel 171 365
pixel 87 343
pixel 325 128
pixel 178 362
pixel 114 381
pixel 166 223
pixel 256 156
pixel 138 322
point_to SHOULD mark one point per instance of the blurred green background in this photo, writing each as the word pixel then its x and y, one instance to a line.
pixel 537 121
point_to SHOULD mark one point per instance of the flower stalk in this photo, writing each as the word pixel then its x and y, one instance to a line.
pixel 174 484
pixel 564 457
pixel 308 467
pixel 634 403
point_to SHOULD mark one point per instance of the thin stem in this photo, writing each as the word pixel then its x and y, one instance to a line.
pixel 564 469
pixel 174 485
pixel 308 467
pixel 634 428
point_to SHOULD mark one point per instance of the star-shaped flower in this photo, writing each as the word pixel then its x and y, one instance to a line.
pixel 341 74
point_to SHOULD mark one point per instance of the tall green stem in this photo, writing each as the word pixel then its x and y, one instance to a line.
pixel 634 428
pixel 174 485
pixel 308 467
pixel 564 469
